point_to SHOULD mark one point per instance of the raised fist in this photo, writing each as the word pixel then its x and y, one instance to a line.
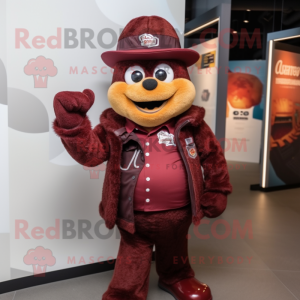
pixel 71 107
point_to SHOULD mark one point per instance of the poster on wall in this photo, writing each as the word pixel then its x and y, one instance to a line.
pixel 284 156
pixel 52 207
pixel 244 111
pixel 204 75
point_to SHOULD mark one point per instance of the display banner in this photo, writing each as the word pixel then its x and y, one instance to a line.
pixel 244 113
pixel 49 220
pixel 204 75
pixel 284 150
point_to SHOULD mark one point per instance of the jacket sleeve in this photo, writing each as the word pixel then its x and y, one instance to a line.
pixel 89 147
pixel 216 178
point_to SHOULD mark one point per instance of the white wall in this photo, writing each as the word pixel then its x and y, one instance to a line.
pixel 4 198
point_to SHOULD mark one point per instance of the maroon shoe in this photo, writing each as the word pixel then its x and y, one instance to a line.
pixel 188 289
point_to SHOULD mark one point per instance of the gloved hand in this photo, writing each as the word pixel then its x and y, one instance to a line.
pixel 71 107
pixel 213 204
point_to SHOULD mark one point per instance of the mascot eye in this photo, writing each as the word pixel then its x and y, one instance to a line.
pixel 161 74
pixel 134 74
pixel 164 72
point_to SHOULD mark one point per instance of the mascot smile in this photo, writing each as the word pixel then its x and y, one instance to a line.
pixel 165 168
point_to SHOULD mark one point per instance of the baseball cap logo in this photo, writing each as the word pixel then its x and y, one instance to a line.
pixel 148 40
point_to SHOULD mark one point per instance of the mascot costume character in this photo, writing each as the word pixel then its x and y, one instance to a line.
pixel 165 168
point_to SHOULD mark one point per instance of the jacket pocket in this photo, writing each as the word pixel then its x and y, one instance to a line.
pixel 130 147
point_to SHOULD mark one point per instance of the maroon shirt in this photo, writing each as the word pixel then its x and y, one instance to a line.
pixel 162 183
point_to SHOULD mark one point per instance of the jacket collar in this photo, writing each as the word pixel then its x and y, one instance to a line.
pixel 131 126
pixel 111 121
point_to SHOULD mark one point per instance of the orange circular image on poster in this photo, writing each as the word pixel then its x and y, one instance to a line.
pixel 227 110
pixel 244 90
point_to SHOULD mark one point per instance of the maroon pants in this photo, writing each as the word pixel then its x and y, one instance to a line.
pixel 167 230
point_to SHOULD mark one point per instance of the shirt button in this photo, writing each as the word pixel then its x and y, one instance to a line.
pixel 147 200
pixel 147 144
pixel 133 177
pixel 147 165
pixel 129 198
pixel 147 154
pixel 148 178
pixel 147 190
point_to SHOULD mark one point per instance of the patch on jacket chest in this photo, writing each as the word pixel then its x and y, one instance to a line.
pixel 166 138
pixel 191 147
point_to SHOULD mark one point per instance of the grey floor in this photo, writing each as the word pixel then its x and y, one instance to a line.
pixel 266 266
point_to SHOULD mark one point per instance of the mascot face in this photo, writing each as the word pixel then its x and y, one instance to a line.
pixel 151 92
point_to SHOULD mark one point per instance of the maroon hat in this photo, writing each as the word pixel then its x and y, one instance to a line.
pixel 149 38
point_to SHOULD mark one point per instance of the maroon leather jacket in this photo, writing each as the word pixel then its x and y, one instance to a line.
pixel 110 142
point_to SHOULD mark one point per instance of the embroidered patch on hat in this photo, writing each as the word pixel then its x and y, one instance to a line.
pixel 166 138
pixel 148 40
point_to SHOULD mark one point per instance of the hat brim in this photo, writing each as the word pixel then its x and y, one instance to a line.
pixel 188 56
